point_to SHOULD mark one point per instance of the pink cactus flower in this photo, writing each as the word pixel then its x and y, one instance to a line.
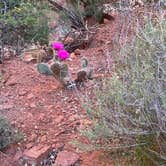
pixel 63 54
pixel 57 46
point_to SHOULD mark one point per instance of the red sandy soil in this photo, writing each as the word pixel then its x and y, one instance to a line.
pixel 45 112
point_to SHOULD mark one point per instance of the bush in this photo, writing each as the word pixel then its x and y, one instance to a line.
pixel 6 5
pixel 23 23
pixel 87 8
pixel 7 134
pixel 131 105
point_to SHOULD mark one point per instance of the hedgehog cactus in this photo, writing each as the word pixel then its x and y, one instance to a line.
pixel 59 70
pixel 85 73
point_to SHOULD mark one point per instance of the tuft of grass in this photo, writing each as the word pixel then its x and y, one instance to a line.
pixel 8 134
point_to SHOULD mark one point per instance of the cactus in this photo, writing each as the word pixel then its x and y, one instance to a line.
pixel 44 69
pixel 85 73
pixel 90 73
pixel 84 63
pixel 59 70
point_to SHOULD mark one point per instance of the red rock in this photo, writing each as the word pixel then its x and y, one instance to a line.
pixel 43 138
pixel 5 160
pixel 36 154
pixel 6 106
pixel 30 96
pixel 77 52
pixel 33 137
pixel 11 81
pixel 72 55
pixel 32 105
pixel 59 146
pixel 29 145
pixel 17 156
pixel 22 92
pixel 68 40
pixel 66 158
pixel 59 119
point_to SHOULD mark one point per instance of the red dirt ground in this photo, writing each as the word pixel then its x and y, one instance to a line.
pixel 47 114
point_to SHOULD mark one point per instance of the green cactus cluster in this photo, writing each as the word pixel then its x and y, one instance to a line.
pixel 57 69
pixel 60 71
pixel 85 73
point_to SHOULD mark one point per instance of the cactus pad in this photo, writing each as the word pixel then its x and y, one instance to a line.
pixel 44 69
pixel 59 70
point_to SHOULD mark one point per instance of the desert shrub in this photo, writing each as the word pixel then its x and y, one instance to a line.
pixel 6 5
pixel 23 22
pixel 7 134
pixel 89 8
pixel 81 10
pixel 130 106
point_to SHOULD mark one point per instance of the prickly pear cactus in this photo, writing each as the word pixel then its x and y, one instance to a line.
pixel 59 70
pixel 44 69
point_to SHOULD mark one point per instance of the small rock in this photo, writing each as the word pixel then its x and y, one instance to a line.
pixel 59 119
pixel 11 81
pixel 77 52
pixel 66 158
pixel 32 105
pixel 31 56
pixel 33 137
pixel 29 145
pixel 27 57
pixel 59 146
pixel 6 160
pixel 43 138
pixel 17 156
pixel 6 106
pixel 72 55
pixel 22 92
pixel 69 40
pixel 30 96
pixel 36 154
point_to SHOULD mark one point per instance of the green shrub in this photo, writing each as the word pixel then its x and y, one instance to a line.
pixel 130 106
pixel 6 5
pixel 24 23
pixel 87 8
pixel 7 134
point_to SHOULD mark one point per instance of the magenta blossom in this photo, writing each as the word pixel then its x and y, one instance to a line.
pixel 63 54
pixel 57 46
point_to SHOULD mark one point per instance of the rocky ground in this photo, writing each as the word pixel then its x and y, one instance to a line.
pixel 49 116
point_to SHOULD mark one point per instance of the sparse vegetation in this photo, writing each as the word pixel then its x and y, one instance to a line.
pixel 123 91
pixel 8 134
pixel 130 106
pixel 21 23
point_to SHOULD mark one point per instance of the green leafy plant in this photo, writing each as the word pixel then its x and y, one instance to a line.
pixel 22 23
